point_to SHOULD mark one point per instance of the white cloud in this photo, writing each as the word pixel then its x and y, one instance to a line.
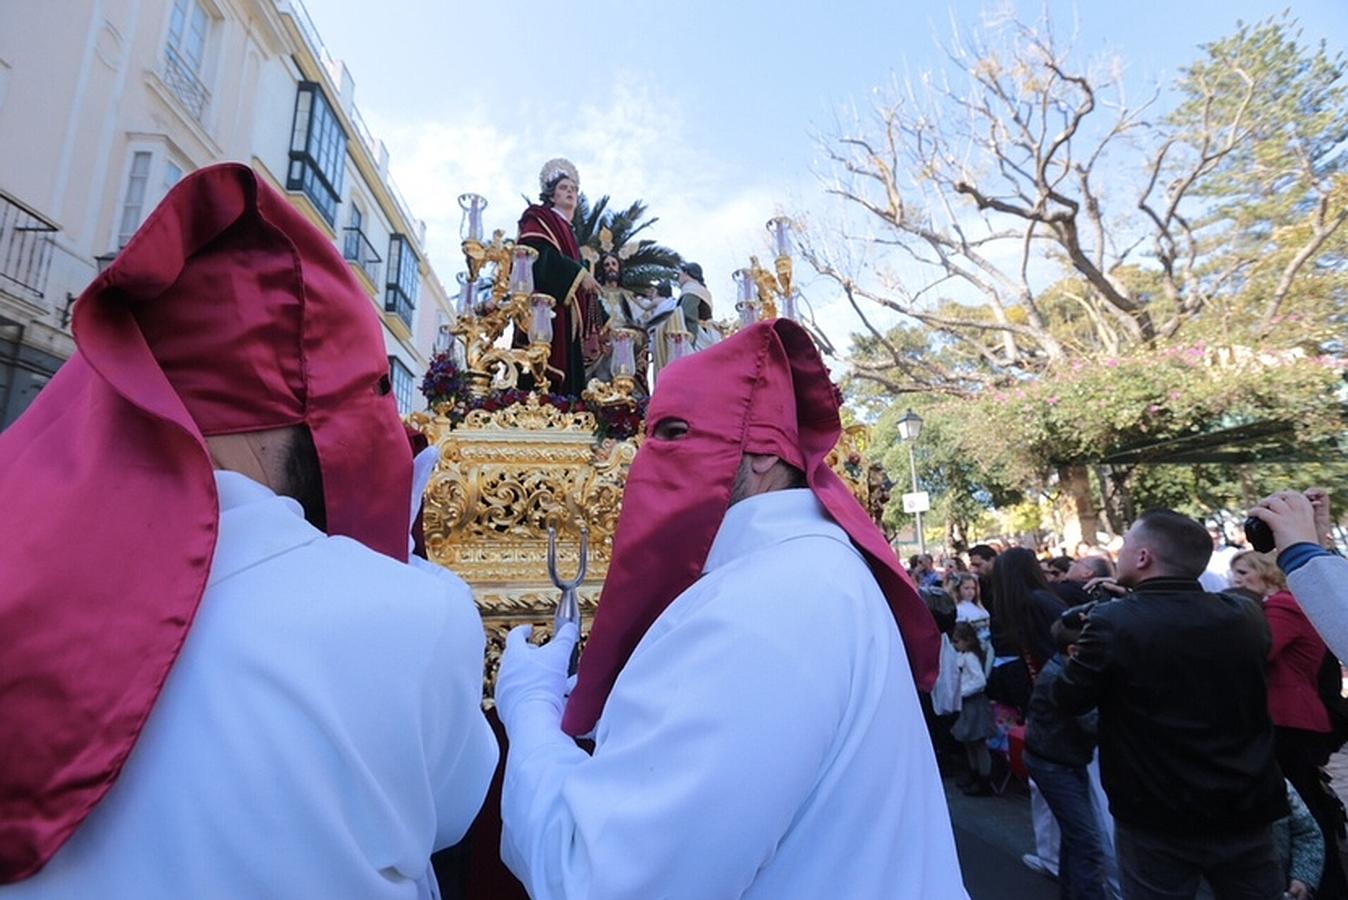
pixel 631 144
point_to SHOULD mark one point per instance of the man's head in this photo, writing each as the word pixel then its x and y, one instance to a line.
pixel 559 186
pixel 758 473
pixel 1088 567
pixel 690 271
pixel 1163 543
pixel 1056 569
pixel 610 270
pixel 283 459
pixel 981 558
pixel 560 194
pixel 752 415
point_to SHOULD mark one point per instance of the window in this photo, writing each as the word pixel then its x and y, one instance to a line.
pixel 173 173
pixel 400 294
pixel 187 33
pixel 134 204
pixel 357 247
pixel 401 376
pixel 317 151
pixel 184 54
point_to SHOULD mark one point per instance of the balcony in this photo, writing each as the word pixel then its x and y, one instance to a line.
pixel 182 80
pixel 356 247
pixel 25 250
pixel 398 303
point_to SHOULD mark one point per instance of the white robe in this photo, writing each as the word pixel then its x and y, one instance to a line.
pixel 764 740
pixel 319 735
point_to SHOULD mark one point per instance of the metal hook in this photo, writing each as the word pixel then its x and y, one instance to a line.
pixel 568 607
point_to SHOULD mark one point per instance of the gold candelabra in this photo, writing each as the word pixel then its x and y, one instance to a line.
pixel 510 300
pixel 759 289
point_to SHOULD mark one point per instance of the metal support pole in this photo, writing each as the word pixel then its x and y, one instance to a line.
pixel 912 467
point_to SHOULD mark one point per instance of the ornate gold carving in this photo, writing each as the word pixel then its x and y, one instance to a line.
pixel 503 478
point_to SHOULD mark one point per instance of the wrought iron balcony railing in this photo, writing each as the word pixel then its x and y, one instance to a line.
pixel 185 84
pixel 357 248
pixel 25 250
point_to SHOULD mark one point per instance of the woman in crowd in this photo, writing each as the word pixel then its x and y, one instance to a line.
pixel 1023 611
pixel 1300 721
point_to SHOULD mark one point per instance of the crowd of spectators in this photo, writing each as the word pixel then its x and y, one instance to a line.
pixel 1192 680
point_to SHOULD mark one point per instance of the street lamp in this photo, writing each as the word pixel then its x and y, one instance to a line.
pixel 910 426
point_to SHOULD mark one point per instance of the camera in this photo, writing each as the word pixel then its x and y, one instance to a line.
pixel 1259 534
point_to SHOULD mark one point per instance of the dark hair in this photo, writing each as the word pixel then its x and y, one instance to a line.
pixel 982 551
pixel 1181 545
pixel 1060 564
pixel 1100 566
pixel 941 606
pixel 304 479
pixel 664 289
pixel 1016 575
pixel 693 271
pixel 1063 634
pixel 965 631
pixel 550 190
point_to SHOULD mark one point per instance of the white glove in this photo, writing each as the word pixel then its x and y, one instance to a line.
pixel 531 686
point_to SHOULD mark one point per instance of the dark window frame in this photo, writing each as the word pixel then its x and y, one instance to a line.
pixel 402 276
pixel 403 384
pixel 317 150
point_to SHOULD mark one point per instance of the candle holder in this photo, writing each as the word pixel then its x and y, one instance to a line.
pixel 470 227
pixel 540 319
pixel 678 345
pixel 522 269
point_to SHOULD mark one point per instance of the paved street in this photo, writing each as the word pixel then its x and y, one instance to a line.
pixel 991 834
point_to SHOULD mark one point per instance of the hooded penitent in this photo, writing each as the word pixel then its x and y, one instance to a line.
pixel 226 313
pixel 765 390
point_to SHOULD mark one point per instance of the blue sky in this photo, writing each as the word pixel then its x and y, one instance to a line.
pixel 707 110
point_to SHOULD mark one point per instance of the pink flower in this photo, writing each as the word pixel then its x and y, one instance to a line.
pixel 1111 363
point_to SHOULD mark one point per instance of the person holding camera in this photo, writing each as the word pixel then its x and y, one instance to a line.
pixel 1186 742
pixel 1298 526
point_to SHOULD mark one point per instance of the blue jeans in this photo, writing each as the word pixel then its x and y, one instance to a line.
pixel 1081 855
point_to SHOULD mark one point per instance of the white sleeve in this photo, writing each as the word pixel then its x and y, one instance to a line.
pixel 712 738
pixel 1320 587
pixel 461 750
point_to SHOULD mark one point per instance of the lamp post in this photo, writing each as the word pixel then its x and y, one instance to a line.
pixel 910 426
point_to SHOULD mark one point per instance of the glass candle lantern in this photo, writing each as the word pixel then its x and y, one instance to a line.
pixel 540 319
pixel 522 269
pixel 624 361
pixel 470 227
pixel 467 295
pixel 780 230
pixel 744 286
pixel 678 345
pixel 748 313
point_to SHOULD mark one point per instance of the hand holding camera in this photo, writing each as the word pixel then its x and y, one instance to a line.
pixel 1284 519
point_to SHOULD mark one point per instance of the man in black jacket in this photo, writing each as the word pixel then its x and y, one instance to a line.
pixel 1186 744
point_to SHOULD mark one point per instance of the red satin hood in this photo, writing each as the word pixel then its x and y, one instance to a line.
pixel 764 390
pixel 226 313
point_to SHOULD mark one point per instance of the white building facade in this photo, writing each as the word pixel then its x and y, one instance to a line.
pixel 104 104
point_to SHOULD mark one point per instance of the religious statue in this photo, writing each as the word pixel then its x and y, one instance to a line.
pixel 619 308
pixel 558 272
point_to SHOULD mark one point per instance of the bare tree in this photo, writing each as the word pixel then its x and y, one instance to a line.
pixel 1026 171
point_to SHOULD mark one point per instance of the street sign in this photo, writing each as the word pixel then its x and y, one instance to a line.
pixel 916 502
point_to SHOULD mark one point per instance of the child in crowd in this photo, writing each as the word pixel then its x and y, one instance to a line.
pixel 974 725
pixel 1058 748
pixel 969 605
pixel 1301 847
